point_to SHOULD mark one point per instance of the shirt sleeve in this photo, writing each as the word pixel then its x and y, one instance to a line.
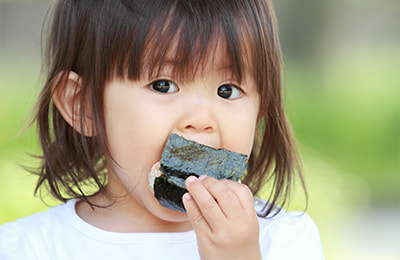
pixel 290 236
pixel 12 244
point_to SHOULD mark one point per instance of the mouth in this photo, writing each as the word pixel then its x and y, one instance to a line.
pixel 182 158
pixel 154 173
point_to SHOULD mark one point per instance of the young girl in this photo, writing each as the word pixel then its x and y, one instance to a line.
pixel 122 75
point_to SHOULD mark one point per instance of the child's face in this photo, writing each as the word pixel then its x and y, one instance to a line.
pixel 212 109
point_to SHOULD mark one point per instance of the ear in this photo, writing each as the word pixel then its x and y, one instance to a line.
pixel 67 98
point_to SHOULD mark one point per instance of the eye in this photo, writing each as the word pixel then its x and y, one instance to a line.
pixel 164 86
pixel 229 92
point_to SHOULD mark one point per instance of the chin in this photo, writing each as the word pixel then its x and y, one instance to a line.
pixel 174 216
pixel 166 214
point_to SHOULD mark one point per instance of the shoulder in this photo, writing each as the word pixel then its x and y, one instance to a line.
pixel 289 235
pixel 279 219
pixel 29 234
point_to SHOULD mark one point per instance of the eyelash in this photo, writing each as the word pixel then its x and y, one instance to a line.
pixel 164 86
pixel 227 90
pixel 224 91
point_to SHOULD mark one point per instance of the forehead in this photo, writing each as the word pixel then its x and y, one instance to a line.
pixel 186 65
pixel 187 59
pixel 188 40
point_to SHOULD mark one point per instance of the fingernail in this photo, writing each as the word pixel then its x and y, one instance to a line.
pixel 191 179
pixel 202 177
pixel 187 196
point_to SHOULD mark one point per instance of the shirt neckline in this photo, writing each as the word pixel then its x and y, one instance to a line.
pixel 70 216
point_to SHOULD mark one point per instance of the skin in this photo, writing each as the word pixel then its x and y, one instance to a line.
pixel 139 119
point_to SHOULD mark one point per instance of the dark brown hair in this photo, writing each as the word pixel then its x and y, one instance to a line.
pixel 106 38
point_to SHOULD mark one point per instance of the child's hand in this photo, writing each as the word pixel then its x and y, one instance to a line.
pixel 224 219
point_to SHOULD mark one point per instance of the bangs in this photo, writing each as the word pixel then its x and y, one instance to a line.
pixel 185 35
pixel 136 39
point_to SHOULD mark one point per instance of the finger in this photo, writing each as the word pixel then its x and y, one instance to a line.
pixel 226 198
pixel 243 193
pixel 205 201
pixel 199 223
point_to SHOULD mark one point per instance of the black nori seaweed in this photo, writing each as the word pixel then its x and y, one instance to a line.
pixel 168 194
pixel 182 158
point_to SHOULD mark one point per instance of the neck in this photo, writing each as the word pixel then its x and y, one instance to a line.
pixel 125 215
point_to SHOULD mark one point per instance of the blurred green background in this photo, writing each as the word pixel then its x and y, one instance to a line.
pixel 342 93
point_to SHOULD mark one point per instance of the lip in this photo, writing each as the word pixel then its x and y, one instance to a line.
pixel 182 158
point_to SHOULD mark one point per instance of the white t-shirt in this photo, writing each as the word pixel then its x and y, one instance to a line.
pixel 59 233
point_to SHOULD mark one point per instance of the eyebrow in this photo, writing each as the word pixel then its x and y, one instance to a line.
pixel 155 68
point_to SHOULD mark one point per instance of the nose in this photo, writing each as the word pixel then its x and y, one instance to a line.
pixel 197 118
pixel 200 125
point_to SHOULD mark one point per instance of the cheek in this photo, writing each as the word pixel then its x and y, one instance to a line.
pixel 133 140
pixel 246 138
pixel 131 131
pixel 240 131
